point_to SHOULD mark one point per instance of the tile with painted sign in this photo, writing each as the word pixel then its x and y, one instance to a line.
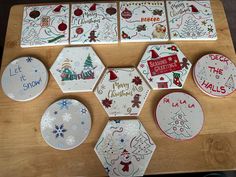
pixel 215 75
pixel 164 66
pixel 125 148
pixel 45 25
pixel 122 92
pixel 191 20
pixel 77 69
pixel 143 21
pixel 24 79
pixel 93 23
pixel 179 115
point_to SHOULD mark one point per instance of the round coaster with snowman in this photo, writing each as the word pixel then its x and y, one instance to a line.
pixel 179 116
pixel 24 79
pixel 65 124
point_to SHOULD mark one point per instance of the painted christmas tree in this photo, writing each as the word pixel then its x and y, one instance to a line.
pixel 178 126
pixel 230 83
pixel 202 74
pixel 141 146
pixel 192 29
pixel 88 71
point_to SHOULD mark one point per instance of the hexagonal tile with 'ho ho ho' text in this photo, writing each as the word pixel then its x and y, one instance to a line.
pixel 77 69
pixel 122 92
pixel 125 148
pixel 164 67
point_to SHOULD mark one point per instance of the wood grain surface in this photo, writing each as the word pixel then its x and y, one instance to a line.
pixel 23 151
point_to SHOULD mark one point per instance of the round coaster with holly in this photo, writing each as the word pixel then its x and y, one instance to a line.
pixel 65 124
pixel 179 115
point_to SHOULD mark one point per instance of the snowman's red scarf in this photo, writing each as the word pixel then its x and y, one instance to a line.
pixel 126 165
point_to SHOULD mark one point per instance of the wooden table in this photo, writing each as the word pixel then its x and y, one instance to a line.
pixel 23 151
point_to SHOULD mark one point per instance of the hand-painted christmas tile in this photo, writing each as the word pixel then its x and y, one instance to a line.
pixel 45 25
pixel 125 148
pixel 164 67
pixel 24 79
pixel 179 116
pixel 77 69
pixel 191 20
pixel 215 75
pixel 143 21
pixel 65 124
pixel 122 92
pixel 94 23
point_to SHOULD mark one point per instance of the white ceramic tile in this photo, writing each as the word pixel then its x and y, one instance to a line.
pixel 164 66
pixel 215 75
pixel 143 21
pixel 191 20
pixel 125 148
pixel 122 92
pixel 65 124
pixel 179 116
pixel 94 23
pixel 24 79
pixel 45 25
pixel 77 69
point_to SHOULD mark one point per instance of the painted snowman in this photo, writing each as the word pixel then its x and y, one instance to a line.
pixel 126 166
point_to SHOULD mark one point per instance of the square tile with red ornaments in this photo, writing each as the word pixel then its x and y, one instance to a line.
pixel 77 69
pixel 93 23
pixel 143 21
pixel 45 25
pixel 191 20
pixel 164 66
pixel 122 92
pixel 125 148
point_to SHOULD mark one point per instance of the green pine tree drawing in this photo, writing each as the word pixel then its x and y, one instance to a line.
pixel 88 64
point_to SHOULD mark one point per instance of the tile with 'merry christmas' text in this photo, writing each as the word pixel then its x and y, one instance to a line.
pixel 93 23
pixel 191 20
pixel 45 25
pixel 143 21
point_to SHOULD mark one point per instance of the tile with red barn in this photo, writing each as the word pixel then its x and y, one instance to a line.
pixel 164 66
pixel 45 25
pixel 122 92
pixel 125 148
pixel 94 23
pixel 77 69
pixel 143 21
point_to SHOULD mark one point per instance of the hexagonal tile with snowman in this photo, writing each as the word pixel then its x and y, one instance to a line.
pixel 122 92
pixel 164 66
pixel 77 69
pixel 125 148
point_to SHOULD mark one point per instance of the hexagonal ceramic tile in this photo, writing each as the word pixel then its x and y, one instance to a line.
pixel 164 66
pixel 122 92
pixel 77 69
pixel 125 148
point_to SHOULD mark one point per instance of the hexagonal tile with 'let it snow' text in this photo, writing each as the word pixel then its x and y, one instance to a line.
pixel 122 92
pixel 77 69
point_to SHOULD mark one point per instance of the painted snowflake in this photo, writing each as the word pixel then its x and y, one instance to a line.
pixel 59 131
pixel 66 117
pixel 70 140
pixel 64 104
pixel 46 122
pixel 83 111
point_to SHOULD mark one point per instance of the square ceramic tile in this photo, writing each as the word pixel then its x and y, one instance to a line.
pixel 94 23
pixel 77 69
pixel 143 21
pixel 125 148
pixel 45 25
pixel 122 92
pixel 191 20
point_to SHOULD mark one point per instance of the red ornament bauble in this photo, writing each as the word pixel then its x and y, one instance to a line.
pixel 78 12
pixel 79 30
pixel 62 26
pixel 111 10
pixel 93 7
pixel 34 14
pixel 126 14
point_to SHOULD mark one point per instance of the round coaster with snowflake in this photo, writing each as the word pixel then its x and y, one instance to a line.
pixel 24 79
pixel 179 116
pixel 215 75
pixel 65 124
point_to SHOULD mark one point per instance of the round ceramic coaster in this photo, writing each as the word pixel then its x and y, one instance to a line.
pixel 65 124
pixel 215 75
pixel 24 79
pixel 179 116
